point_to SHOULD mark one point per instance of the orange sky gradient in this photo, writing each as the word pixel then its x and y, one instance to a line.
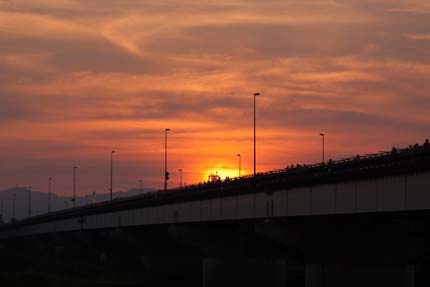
pixel 81 78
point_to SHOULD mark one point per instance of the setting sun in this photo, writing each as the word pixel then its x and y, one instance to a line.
pixel 221 170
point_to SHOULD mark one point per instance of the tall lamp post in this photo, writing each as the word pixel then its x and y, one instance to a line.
pixel 29 201
pixel 180 182
pixel 240 162
pixel 111 174
pixel 323 147
pixel 166 173
pixel 255 148
pixel 141 185
pixel 74 186
pixel 14 204
pixel 49 194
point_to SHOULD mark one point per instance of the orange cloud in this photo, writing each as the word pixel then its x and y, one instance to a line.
pixel 78 79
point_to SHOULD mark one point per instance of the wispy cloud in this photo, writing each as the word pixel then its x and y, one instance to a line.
pixel 80 78
pixel 41 26
pixel 417 36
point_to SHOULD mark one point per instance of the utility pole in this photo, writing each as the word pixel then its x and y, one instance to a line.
pixel 49 194
pixel 240 162
pixel 255 148
pixel 29 201
pixel 74 186
pixel 111 175
pixel 1 215
pixel 323 147
pixel 14 205
pixel 166 173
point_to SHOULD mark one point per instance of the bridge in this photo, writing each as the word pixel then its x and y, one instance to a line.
pixel 355 221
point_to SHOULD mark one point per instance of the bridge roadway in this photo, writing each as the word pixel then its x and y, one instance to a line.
pixel 390 181
pixel 389 185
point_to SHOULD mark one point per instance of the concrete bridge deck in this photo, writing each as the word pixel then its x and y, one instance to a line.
pixel 391 181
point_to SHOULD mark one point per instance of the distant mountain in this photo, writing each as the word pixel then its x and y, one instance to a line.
pixel 39 201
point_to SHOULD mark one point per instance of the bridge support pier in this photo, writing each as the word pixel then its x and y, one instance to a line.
pixel 356 276
pixel 244 272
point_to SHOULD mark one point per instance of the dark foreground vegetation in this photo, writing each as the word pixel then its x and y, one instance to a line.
pixel 71 268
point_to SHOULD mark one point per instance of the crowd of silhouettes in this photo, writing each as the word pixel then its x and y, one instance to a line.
pixel 355 162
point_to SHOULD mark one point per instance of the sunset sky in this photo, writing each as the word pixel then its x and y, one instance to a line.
pixel 81 78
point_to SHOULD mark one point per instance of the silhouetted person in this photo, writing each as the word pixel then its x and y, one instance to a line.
pixel 426 143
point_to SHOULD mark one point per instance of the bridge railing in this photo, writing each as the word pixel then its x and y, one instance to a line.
pixel 286 175
pixel 359 161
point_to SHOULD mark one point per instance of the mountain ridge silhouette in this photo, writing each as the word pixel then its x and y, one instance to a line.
pixel 39 201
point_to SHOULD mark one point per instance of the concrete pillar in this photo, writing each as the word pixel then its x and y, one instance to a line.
pixel 244 272
pixel 168 267
pixel 314 275
pixel 358 276
pixel 103 258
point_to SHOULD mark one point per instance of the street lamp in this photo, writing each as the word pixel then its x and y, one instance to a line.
pixel 141 185
pixel 74 186
pixel 255 151
pixel 49 194
pixel 240 162
pixel 166 174
pixel 14 204
pixel 111 174
pixel 29 201
pixel 322 136
pixel 180 171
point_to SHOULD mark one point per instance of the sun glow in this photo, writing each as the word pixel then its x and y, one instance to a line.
pixel 222 171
